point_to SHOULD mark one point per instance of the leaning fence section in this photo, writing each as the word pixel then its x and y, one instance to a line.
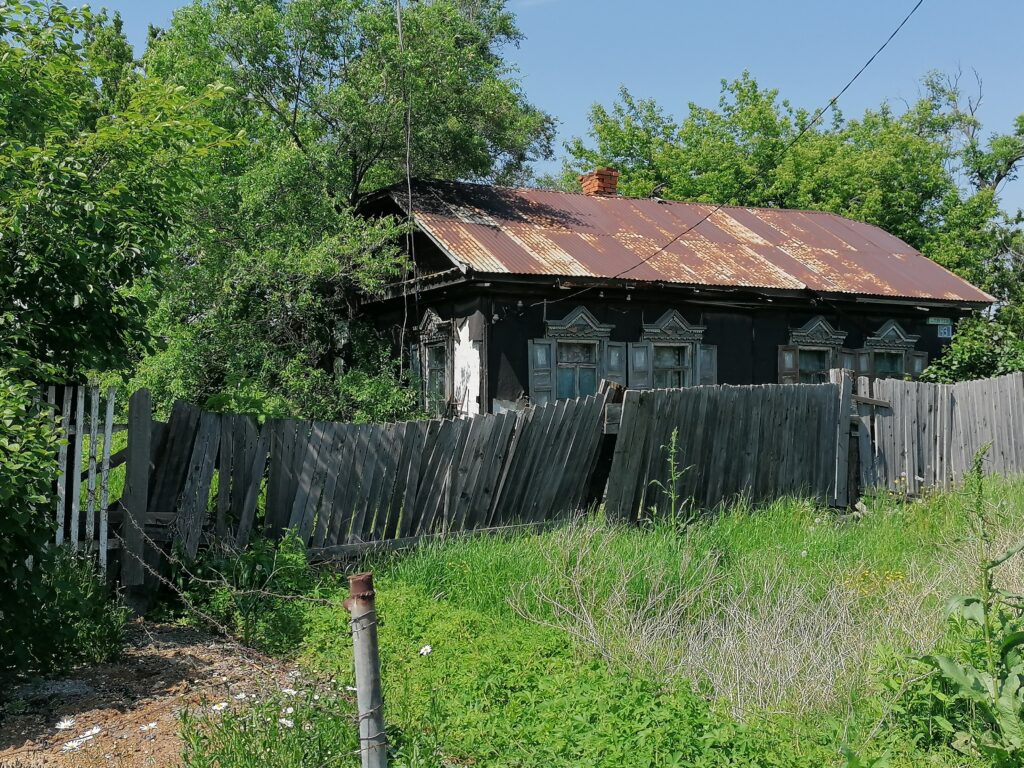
pixel 757 442
pixel 202 475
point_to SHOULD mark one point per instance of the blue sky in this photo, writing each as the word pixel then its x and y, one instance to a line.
pixel 578 52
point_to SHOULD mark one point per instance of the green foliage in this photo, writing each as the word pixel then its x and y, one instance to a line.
pixel 980 348
pixel 309 729
pixel 495 692
pixel 258 304
pixel 497 688
pixel 976 700
pixel 98 163
pixel 680 510
pixel 28 465
pixel 262 594
pixel 54 609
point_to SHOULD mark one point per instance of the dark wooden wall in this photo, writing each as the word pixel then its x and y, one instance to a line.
pixel 746 328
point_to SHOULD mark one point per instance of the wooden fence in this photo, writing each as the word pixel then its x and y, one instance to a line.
pixel 922 435
pixel 342 486
pixel 83 410
pixel 758 442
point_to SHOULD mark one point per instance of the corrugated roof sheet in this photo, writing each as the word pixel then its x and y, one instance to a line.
pixel 541 232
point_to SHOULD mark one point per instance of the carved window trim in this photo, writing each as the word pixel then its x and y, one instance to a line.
pixel 579 324
pixel 891 337
pixel 817 332
pixel 672 328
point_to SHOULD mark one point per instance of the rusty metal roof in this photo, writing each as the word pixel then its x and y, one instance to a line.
pixel 502 230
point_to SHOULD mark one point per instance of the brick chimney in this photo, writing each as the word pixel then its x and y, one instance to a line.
pixel 600 181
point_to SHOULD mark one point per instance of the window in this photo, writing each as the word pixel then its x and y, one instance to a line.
pixel 436 379
pixel 804 365
pixel 813 349
pixel 671 365
pixel 817 346
pixel 814 365
pixel 577 352
pixel 671 355
pixel 888 365
pixel 430 360
pixel 577 369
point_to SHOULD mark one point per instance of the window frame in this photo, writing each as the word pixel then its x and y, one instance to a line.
pixel 435 333
pixel 685 370
pixel 558 365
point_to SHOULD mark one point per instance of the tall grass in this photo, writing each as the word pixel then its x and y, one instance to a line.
pixel 788 607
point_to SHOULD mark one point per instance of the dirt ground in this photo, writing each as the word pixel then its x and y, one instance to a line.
pixel 134 702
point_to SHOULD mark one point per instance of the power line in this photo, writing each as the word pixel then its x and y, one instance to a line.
pixel 813 122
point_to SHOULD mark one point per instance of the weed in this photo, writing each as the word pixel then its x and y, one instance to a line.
pixel 977 698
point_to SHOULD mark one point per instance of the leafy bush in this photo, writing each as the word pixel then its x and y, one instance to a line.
pixel 261 594
pixel 975 698
pixel 28 467
pixel 980 348
pixel 57 612
pixel 79 622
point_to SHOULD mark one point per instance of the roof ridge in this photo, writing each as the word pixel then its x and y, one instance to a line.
pixel 627 197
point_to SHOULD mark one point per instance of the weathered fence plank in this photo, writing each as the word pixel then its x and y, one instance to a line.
pixel 136 489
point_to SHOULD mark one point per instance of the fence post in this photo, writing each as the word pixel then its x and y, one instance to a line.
pixel 842 378
pixel 373 744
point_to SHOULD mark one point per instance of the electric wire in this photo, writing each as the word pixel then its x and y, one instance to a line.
pixel 789 145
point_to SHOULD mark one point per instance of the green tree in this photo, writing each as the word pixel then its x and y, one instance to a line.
pixel 258 307
pixel 96 163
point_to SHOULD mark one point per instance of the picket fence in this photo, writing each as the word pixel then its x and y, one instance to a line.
pixel 88 527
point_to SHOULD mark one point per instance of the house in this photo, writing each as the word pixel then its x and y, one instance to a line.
pixel 529 295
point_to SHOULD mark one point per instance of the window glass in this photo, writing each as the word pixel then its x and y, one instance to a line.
pixel 669 357
pixel 813 366
pixel 671 365
pixel 577 369
pixel 436 375
pixel 888 364
pixel 566 382
pixel 542 355
pixel 668 379
pixel 577 353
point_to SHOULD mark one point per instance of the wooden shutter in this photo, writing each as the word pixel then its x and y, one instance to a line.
pixel 789 365
pixel 541 371
pixel 614 362
pixel 641 365
pixel 707 364
pixel 918 362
